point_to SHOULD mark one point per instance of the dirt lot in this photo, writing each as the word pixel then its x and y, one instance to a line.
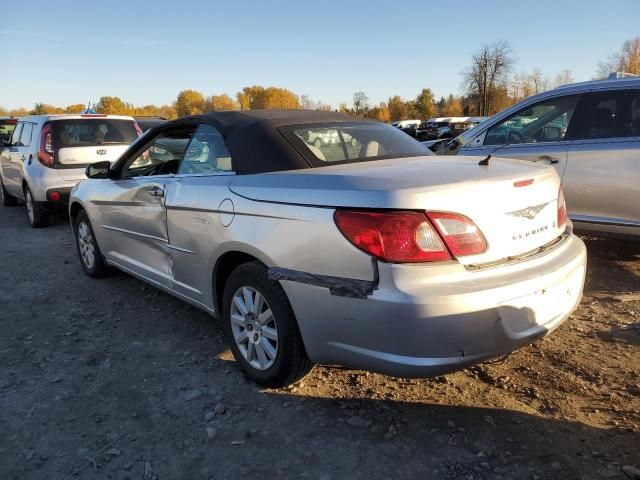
pixel 111 379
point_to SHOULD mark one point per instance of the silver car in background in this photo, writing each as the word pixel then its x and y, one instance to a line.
pixel 46 155
pixel 369 252
pixel 590 133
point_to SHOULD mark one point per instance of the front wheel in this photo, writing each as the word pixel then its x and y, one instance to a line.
pixel 261 328
pixel 90 256
pixel 37 217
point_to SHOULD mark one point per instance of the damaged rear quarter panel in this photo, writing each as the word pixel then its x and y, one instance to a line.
pixel 300 238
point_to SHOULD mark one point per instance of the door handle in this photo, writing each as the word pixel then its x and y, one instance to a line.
pixel 156 192
pixel 548 159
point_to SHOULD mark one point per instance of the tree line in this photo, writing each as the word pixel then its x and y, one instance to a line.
pixel 490 84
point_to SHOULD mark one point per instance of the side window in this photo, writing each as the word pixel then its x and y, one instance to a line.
pixel 613 114
pixel 546 121
pixel 15 136
pixel 25 137
pixel 206 153
pixel 161 155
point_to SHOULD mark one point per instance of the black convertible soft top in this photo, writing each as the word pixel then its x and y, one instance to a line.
pixel 254 141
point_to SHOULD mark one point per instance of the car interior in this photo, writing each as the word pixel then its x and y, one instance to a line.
pixel 183 152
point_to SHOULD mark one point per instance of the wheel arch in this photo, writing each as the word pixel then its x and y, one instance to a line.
pixel 74 209
pixel 225 264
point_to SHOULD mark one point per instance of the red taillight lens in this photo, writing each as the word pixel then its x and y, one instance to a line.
pixel 562 211
pixel 461 235
pixel 45 152
pixel 392 236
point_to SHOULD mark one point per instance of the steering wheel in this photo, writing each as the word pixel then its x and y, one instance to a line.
pixel 170 167
pixel 517 135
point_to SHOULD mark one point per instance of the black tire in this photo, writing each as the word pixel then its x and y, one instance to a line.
pixel 82 228
pixel 8 200
pixel 36 216
pixel 291 362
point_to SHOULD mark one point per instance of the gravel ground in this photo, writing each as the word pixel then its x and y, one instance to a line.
pixel 111 379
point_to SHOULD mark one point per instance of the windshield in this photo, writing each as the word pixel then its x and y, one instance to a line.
pixel 85 132
pixel 6 129
pixel 347 142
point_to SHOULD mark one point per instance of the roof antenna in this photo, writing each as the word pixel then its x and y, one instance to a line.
pixel 485 162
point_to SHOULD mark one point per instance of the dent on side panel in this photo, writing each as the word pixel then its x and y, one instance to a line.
pixel 132 226
pixel 137 210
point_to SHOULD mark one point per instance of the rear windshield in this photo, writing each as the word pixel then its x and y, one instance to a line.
pixel 349 142
pixel 6 129
pixel 85 132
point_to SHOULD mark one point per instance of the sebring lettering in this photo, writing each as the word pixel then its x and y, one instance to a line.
pixel 533 232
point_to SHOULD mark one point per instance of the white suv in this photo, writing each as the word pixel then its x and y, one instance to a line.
pixel 47 155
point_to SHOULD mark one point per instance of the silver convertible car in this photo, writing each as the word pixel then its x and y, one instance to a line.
pixel 367 251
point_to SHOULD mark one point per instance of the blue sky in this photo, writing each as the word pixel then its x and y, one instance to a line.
pixel 66 52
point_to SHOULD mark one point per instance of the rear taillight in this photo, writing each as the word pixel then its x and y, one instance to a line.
pixel 392 236
pixel 562 211
pixel 45 151
pixel 461 235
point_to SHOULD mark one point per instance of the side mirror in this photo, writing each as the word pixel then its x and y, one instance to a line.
pixel 98 170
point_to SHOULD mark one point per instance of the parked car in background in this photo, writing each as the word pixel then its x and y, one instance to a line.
pixel 147 122
pixel 322 137
pixel 590 132
pixel 446 127
pixel 459 126
pixel 7 124
pixel 371 253
pixel 432 129
pixel 405 123
pixel 47 155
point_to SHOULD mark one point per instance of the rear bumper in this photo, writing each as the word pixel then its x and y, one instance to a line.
pixel 421 322
pixel 42 181
pixel 56 203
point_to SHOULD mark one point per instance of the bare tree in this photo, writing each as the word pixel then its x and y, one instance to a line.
pixel 360 103
pixel 539 83
pixel 564 77
pixel 306 103
pixel 489 68
pixel 626 60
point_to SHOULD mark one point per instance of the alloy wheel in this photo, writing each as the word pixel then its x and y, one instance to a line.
pixel 85 245
pixel 254 328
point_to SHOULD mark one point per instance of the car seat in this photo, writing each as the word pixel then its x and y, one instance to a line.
pixel 370 149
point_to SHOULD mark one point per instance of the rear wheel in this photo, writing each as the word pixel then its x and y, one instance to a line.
pixel 37 217
pixel 8 200
pixel 90 255
pixel 261 328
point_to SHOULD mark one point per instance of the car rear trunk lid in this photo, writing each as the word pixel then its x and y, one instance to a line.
pixel 514 203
